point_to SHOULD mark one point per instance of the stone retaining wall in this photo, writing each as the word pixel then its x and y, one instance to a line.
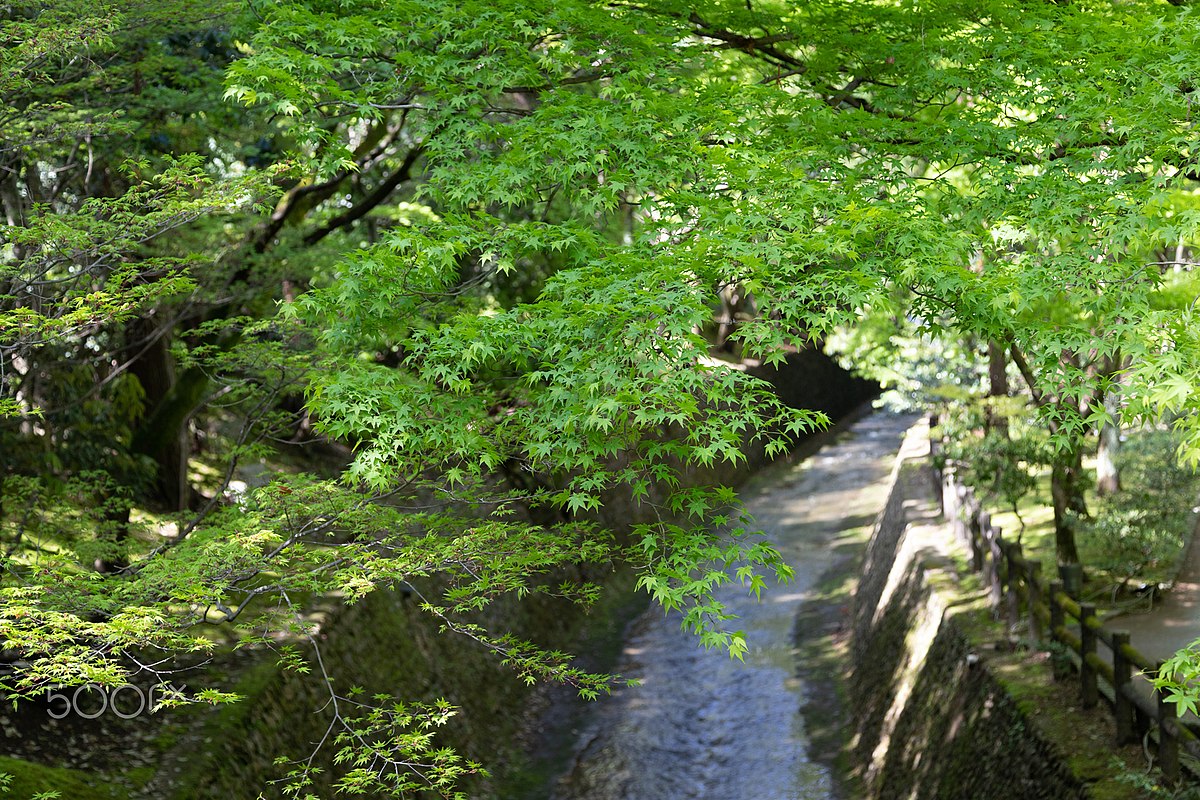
pixel 931 722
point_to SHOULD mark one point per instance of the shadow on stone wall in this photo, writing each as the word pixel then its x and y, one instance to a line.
pixel 930 722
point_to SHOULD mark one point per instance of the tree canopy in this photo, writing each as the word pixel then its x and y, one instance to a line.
pixel 483 243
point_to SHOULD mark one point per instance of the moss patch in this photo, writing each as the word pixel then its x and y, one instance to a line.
pixel 1083 737
pixel 27 780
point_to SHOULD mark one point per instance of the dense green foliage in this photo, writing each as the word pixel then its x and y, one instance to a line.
pixel 1000 463
pixel 496 234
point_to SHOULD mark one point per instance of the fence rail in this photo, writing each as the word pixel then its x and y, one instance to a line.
pixel 1054 612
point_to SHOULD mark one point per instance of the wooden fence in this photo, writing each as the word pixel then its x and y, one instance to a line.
pixel 1053 613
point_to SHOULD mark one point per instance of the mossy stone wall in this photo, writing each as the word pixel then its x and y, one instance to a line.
pixel 930 721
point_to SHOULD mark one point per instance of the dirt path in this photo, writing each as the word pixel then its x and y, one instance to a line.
pixel 701 725
pixel 1175 622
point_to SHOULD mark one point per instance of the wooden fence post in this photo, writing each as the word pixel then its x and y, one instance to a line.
pixel 1033 589
pixel 1016 575
pixel 974 535
pixel 1056 621
pixel 958 512
pixel 936 474
pixel 1168 744
pixel 995 559
pixel 962 527
pixel 1087 673
pixel 1056 610
pixel 1122 675
pixel 956 498
pixel 949 509
pixel 1072 578
pixel 991 565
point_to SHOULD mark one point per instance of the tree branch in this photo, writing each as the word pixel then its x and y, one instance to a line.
pixel 588 77
pixel 380 193
pixel 371 148
pixel 1039 397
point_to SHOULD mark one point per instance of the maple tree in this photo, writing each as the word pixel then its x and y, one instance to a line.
pixel 498 232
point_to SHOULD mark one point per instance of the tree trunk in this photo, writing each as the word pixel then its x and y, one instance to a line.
pixel 1108 477
pixel 153 437
pixel 1066 490
pixel 162 436
pixel 114 531
pixel 170 402
pixel 997 387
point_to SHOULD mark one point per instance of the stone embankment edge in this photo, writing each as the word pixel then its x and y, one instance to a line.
pixel 942 707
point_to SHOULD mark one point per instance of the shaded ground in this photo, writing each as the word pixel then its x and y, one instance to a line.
pixel 1175 622
pixel 701 725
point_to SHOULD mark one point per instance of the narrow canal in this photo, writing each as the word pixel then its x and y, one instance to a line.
pixel 701 725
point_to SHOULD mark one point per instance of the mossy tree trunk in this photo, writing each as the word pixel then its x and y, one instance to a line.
pixel 160 436
pixel 1066 470
pixel 1066 491
pixel 1108 476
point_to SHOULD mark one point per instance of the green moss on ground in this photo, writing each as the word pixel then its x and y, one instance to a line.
pixel 28 780
pixel 1084 737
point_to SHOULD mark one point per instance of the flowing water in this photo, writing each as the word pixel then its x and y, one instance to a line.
pixel 701 725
